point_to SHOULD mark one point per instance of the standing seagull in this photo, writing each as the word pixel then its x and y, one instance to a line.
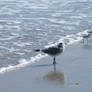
pixel 53 51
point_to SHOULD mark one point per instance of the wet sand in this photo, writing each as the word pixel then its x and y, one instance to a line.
pixel 72 73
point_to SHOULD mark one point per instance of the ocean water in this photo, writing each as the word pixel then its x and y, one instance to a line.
pixel 26 25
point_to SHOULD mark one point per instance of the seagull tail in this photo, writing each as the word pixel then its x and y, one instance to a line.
pixel 37 50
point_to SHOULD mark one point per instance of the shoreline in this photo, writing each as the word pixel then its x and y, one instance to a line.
pixel 71 74
pixel 67 41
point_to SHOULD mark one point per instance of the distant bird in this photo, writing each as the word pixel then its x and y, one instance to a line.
pixel 52 51
pixel 90 32
pixel 86 36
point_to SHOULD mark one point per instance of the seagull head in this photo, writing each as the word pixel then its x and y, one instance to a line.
pixel 60 45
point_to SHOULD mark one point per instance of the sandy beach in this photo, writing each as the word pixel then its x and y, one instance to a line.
pixel 72 73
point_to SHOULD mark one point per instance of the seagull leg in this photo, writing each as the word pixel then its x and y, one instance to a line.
pixel 54 61
pixel 54 67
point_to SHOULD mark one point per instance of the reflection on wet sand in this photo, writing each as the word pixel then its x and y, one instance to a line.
pixel 91 40
pixel 55 76
pixel 87 46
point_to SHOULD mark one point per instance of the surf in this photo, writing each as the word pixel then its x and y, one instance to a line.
pixel 66 40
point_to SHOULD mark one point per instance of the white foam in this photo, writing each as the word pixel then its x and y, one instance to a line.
pixel 64 22
pixel 7 38
pixel 57 21
pixel 21 44
pixel 67 40
pixel 1 27
pixel 70 39
pixel 10 21
pixel 73 38
pixel 23 63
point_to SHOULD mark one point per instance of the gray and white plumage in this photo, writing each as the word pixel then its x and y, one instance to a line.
pixel 54 50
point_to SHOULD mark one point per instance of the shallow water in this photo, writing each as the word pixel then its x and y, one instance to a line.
pixel 30 24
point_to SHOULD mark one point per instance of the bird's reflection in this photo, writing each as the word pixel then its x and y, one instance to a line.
pixel 87 46
pixel 55 75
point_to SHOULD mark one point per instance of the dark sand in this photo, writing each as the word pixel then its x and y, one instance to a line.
pixel 72 73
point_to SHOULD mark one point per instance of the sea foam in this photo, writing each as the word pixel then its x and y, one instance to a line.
pixel 23 63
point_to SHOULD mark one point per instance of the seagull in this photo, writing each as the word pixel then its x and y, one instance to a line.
pixel 52 51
